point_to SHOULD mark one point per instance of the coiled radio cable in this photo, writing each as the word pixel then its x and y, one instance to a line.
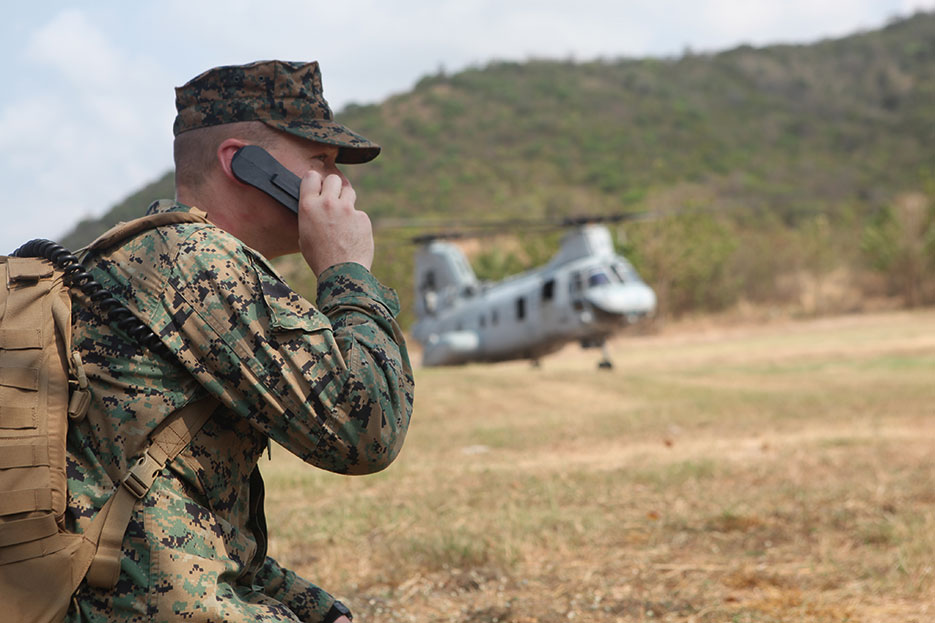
pixel 75 276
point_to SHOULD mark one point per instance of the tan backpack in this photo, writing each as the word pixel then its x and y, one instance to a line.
pixel 42 387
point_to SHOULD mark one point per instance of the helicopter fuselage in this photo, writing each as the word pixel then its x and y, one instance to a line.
pixel 585 294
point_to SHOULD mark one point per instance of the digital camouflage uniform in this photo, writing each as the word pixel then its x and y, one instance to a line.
pixel 331 384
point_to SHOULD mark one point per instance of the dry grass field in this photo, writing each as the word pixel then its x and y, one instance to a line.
pixel 777 472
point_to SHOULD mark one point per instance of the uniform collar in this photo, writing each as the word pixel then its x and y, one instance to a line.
pixel 167 205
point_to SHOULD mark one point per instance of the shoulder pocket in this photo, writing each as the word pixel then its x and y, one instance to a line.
pixel 288 310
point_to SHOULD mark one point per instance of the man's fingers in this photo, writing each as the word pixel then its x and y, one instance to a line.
pixel 313 181
pixel 332 186
pixel 349 194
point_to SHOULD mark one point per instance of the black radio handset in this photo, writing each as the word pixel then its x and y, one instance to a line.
pixel 255 166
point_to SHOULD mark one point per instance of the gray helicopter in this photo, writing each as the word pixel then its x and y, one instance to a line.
pixel 585 293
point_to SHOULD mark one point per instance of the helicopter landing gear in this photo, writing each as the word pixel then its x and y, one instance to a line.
pixel 605 363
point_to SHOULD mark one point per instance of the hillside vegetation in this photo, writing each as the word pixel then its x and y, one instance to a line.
pixel 799 176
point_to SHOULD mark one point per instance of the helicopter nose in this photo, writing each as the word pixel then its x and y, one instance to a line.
pixel 631 299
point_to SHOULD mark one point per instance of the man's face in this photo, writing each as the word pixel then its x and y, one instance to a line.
pixel 299 156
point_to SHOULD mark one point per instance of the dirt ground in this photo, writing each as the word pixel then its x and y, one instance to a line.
pixel 778 471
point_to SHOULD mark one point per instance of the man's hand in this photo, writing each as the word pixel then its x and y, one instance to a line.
pixel 331 230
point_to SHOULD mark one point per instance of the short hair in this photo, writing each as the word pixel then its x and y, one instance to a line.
pixel 195 151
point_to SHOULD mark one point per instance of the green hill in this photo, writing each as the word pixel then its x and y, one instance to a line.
pixel 796 159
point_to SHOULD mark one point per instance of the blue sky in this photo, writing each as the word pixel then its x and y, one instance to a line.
pixel 87 104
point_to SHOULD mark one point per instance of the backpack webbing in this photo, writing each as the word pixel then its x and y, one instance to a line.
pixel 42 383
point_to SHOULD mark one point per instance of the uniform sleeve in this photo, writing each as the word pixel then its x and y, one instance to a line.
pixel 308 602
pixel 332 386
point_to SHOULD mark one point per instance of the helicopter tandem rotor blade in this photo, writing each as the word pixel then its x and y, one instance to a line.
pixel 453 229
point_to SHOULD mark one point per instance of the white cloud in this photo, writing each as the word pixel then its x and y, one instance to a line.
pixel 726 23
pixel 89 130
pixel 908 7
pixel 76 49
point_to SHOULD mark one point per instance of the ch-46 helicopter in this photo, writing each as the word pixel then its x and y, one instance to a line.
pixel 585 293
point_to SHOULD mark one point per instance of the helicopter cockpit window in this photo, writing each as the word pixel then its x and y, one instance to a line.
pixel 574 285
pixel 623 271
pixel 548 290
pixel 598 278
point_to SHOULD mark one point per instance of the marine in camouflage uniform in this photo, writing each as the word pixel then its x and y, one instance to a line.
pixel 330 382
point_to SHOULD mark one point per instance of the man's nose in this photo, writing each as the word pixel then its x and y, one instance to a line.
pixel 336 171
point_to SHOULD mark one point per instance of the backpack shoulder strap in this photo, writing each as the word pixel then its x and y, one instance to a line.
pixel 128 229
pixel 166 443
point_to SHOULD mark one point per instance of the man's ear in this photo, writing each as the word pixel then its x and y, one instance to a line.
pixel 225 155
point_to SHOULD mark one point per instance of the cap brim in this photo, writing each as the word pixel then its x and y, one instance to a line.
pixel 354 148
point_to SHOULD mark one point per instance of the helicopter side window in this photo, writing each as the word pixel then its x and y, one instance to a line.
pixel 574 285
pixel 430 299
pixel 520 308
pixel 598 278
pixel 428 280
pixel 548 290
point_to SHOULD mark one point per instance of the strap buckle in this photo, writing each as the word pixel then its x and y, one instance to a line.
pixel 142 475
pixel 80 389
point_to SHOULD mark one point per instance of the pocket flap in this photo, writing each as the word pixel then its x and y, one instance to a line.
pixel 23 378
pixel 18 339
pixel 28 268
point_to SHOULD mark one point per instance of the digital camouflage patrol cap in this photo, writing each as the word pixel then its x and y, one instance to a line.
pixel 284 95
